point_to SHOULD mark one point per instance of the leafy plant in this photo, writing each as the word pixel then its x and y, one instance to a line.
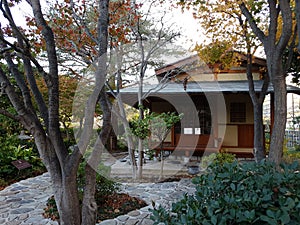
pixel 11 149
pixel 219 158
pixel 207 160
pixel 224 157
pixel 239 194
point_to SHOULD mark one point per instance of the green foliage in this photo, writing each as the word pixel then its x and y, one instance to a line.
pixel 104 186
pixel 291 155
pixel 233 193
pixel 140 127
pixel 154 124
pixel 8 126
pixel 11 149
pixel 208 160
pixel 223 157
pixel 219 158
pixel 122 146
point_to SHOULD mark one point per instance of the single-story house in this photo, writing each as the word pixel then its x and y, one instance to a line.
pixel 215 102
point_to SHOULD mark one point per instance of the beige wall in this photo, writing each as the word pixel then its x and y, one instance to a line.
pixel 227 130
pixel 236 76
pixel 231 135
pixel 231 98
pixel 219 76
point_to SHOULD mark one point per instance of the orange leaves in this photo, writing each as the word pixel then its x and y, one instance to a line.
pixel 7 30
pixel 67 89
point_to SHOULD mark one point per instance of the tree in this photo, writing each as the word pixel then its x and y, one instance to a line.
pixel 147 43
pixel 274 44
pixel 229 30
pixel 43 123
pixel 160 127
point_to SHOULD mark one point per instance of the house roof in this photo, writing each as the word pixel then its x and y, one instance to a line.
pixel 130 93
pixel 195 61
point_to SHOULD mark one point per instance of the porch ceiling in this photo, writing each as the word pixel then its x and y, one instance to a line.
pixel 129 94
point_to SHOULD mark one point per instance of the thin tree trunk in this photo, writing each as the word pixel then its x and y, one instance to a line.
pixel 129 139
pixel 161 175
pixel 141 117
pixel 259 148
pixel 257 102
pixel 89 206
pixel 141 158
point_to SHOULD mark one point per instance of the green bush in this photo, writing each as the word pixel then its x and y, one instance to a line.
pixel 239 194
pixel 104 186
pixel 11 149
pixel 217 159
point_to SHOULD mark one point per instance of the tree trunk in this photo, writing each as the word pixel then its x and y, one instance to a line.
pixel 257 102
pixel 89 205
pixel 280 114
pixel 141 158
pixel 275 44
pixel 141 117
pixel 297 9
pixel 128 134
pixel 259 148
pixel 64 182
pixel 67 201
pixel 161 175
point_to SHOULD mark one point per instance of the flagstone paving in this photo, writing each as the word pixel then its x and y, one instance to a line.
pixel 24 202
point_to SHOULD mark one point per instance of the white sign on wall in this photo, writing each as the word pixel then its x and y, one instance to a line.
pixel 198 130
pixel 188 130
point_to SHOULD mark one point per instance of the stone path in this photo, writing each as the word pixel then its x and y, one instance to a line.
pixel 23 202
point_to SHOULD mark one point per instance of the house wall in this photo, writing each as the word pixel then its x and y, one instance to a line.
pixel 240 98
pixel 217 76
pixel 230 130
pixel 236 76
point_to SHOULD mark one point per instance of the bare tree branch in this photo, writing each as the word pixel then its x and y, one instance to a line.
pixel 8 114
pixel 258 32
pixel 287 25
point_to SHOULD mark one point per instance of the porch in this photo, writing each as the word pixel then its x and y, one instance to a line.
pixel 238 140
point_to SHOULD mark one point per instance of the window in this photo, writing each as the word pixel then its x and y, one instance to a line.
pixel 238 112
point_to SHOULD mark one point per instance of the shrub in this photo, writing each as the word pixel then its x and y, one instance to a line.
pixel 11 149
pixel 104 186
pixel 239 194
pixel 215 159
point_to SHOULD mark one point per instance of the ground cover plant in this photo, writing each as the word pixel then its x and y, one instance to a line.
pixel 11 149
pixel 234 193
